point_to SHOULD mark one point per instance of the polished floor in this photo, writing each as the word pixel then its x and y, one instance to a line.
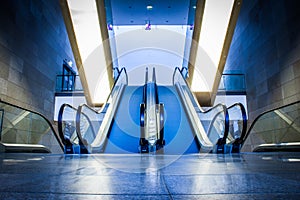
pixel 197 176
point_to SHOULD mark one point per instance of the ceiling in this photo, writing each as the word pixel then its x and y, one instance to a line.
pixel 163 12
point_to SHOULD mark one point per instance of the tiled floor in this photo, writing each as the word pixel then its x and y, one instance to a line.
pixel 204 176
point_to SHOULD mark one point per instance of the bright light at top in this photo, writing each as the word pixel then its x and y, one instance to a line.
pixel 215 22
pixel 89 42
pixel 85 20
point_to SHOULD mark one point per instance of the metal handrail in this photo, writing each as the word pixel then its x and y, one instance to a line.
pixel 244 116
pixel 102 110
pixel 205 142
pixel 60 84
pixel 60 123
pixel 195 102
pixel 78 117
pixel 225 112
pixel 262 114
pixel 99 111
pixel 42 116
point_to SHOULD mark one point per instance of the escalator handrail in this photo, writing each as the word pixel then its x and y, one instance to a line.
pixel 78 117
pixel 145 87
pixel 212 108
pixel 42 116
pixel 226 131
pixel 192 97
pixel 225 112
pixel 60 130
pixel 155 87
pixel 203 139
pixel 112 89
pixel 60 122
pixel 262 114
pixel 144 106
pixel 244 116
pixel 103 107
pixel 79 111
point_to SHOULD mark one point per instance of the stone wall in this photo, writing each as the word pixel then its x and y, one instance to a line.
pixel 266 47
pixel 33 44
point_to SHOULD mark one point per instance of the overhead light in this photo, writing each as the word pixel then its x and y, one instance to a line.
pixel 149 7
pixel 194 7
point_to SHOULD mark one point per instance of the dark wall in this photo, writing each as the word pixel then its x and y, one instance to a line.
pixel 33 44
pixel 266 47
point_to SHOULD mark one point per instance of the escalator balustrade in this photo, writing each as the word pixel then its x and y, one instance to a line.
pixel 151 118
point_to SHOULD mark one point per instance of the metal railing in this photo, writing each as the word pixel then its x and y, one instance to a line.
pixel 93 138
pixel 232 83
pixel 237 126
pixel 151 117
pixel 68 83
pixel 25 127
pixel 67 128
pixel 202 126
pixel 87 127
pixel 274 129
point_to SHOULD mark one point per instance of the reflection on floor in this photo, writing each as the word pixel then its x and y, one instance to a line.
pixel 196 176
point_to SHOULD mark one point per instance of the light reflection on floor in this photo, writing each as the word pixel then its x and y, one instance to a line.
pixel 55 176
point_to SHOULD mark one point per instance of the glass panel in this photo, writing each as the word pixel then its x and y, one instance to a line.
pixel 213 121
pixel 90 122
pixel 68 121
pixel 21 126
pixel 209 126
pixel 68 83
pixel 232 83
pixel 275 127
pixel 237 123
pixel 78 85
pixel 94 125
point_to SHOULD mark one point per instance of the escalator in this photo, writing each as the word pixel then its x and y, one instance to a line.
pixel 93 127
pixel 274 130
pixel 213 126
pixel 149 118
pixel 188 128
pixel 123 130
pixel 94 130
pixel 26 131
